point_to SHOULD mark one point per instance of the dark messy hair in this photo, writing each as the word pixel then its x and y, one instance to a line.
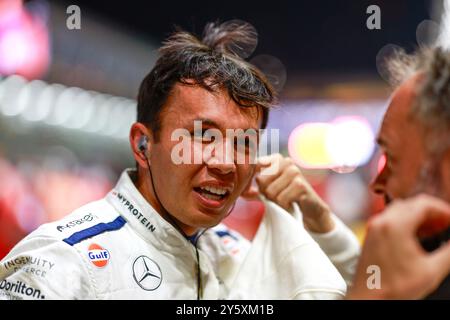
pixel 212 63
pixel 432 103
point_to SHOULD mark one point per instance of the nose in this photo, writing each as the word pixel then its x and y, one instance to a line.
pixel 378 185
pixel 222 158
pixel 221 166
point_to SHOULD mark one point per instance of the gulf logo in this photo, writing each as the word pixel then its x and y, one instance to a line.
pixel 98 255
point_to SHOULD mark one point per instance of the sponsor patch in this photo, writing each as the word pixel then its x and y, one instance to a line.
pixel 98 255
pixel 87 218
pixel 10 289
pixel 147 273
pixel 134 210
pixel 33 265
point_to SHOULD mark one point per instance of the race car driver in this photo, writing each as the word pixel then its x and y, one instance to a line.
pixel 157 234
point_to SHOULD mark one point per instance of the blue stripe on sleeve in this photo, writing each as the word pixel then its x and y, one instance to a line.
pixel 79 236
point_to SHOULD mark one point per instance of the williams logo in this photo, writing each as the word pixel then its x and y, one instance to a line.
pixel 98 255
pixel 147 273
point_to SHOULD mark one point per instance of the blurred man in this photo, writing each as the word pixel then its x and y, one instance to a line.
pixel 415 138
pixel 157 234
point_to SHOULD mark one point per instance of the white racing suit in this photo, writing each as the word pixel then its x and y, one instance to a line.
pixel 121 248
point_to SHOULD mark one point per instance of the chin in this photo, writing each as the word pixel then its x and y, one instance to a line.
pixel 207 219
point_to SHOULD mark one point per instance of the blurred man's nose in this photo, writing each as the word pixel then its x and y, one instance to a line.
pixel 378 185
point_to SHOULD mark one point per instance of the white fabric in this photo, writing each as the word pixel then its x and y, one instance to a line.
pixel 283 262
pixel 342 248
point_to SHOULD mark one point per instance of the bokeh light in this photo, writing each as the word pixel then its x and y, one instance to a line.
pixel 346 142
pixel 24 42
pixel 306 145
pixel 350 141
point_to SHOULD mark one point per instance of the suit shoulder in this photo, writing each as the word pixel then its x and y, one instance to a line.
pixel 86 217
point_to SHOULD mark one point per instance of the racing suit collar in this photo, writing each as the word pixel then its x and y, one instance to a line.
pixel 141 216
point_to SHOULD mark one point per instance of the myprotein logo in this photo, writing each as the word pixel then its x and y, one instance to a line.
pixel 98 255
pixel 135 211
pixel 21 288
pixel 87 218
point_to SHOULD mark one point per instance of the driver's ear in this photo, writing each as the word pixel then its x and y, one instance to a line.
pixel 140 142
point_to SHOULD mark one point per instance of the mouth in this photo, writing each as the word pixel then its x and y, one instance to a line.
pixel 212 196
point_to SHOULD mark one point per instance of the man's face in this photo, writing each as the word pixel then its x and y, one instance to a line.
pixel 190 192
pixel 402 140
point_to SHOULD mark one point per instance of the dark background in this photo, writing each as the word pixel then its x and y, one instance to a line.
pixel 307 36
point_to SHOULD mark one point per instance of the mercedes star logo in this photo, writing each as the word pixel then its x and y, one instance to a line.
pixel 147 273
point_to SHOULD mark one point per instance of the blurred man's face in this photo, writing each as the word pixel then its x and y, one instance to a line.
pixel 402 141
pixel 201 194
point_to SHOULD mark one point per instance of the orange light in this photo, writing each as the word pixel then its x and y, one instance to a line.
pixel 307 147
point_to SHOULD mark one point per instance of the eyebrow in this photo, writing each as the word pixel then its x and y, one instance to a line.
pixel 207 122
pixel 212 123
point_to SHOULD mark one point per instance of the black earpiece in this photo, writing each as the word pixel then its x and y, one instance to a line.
pixel 142 144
